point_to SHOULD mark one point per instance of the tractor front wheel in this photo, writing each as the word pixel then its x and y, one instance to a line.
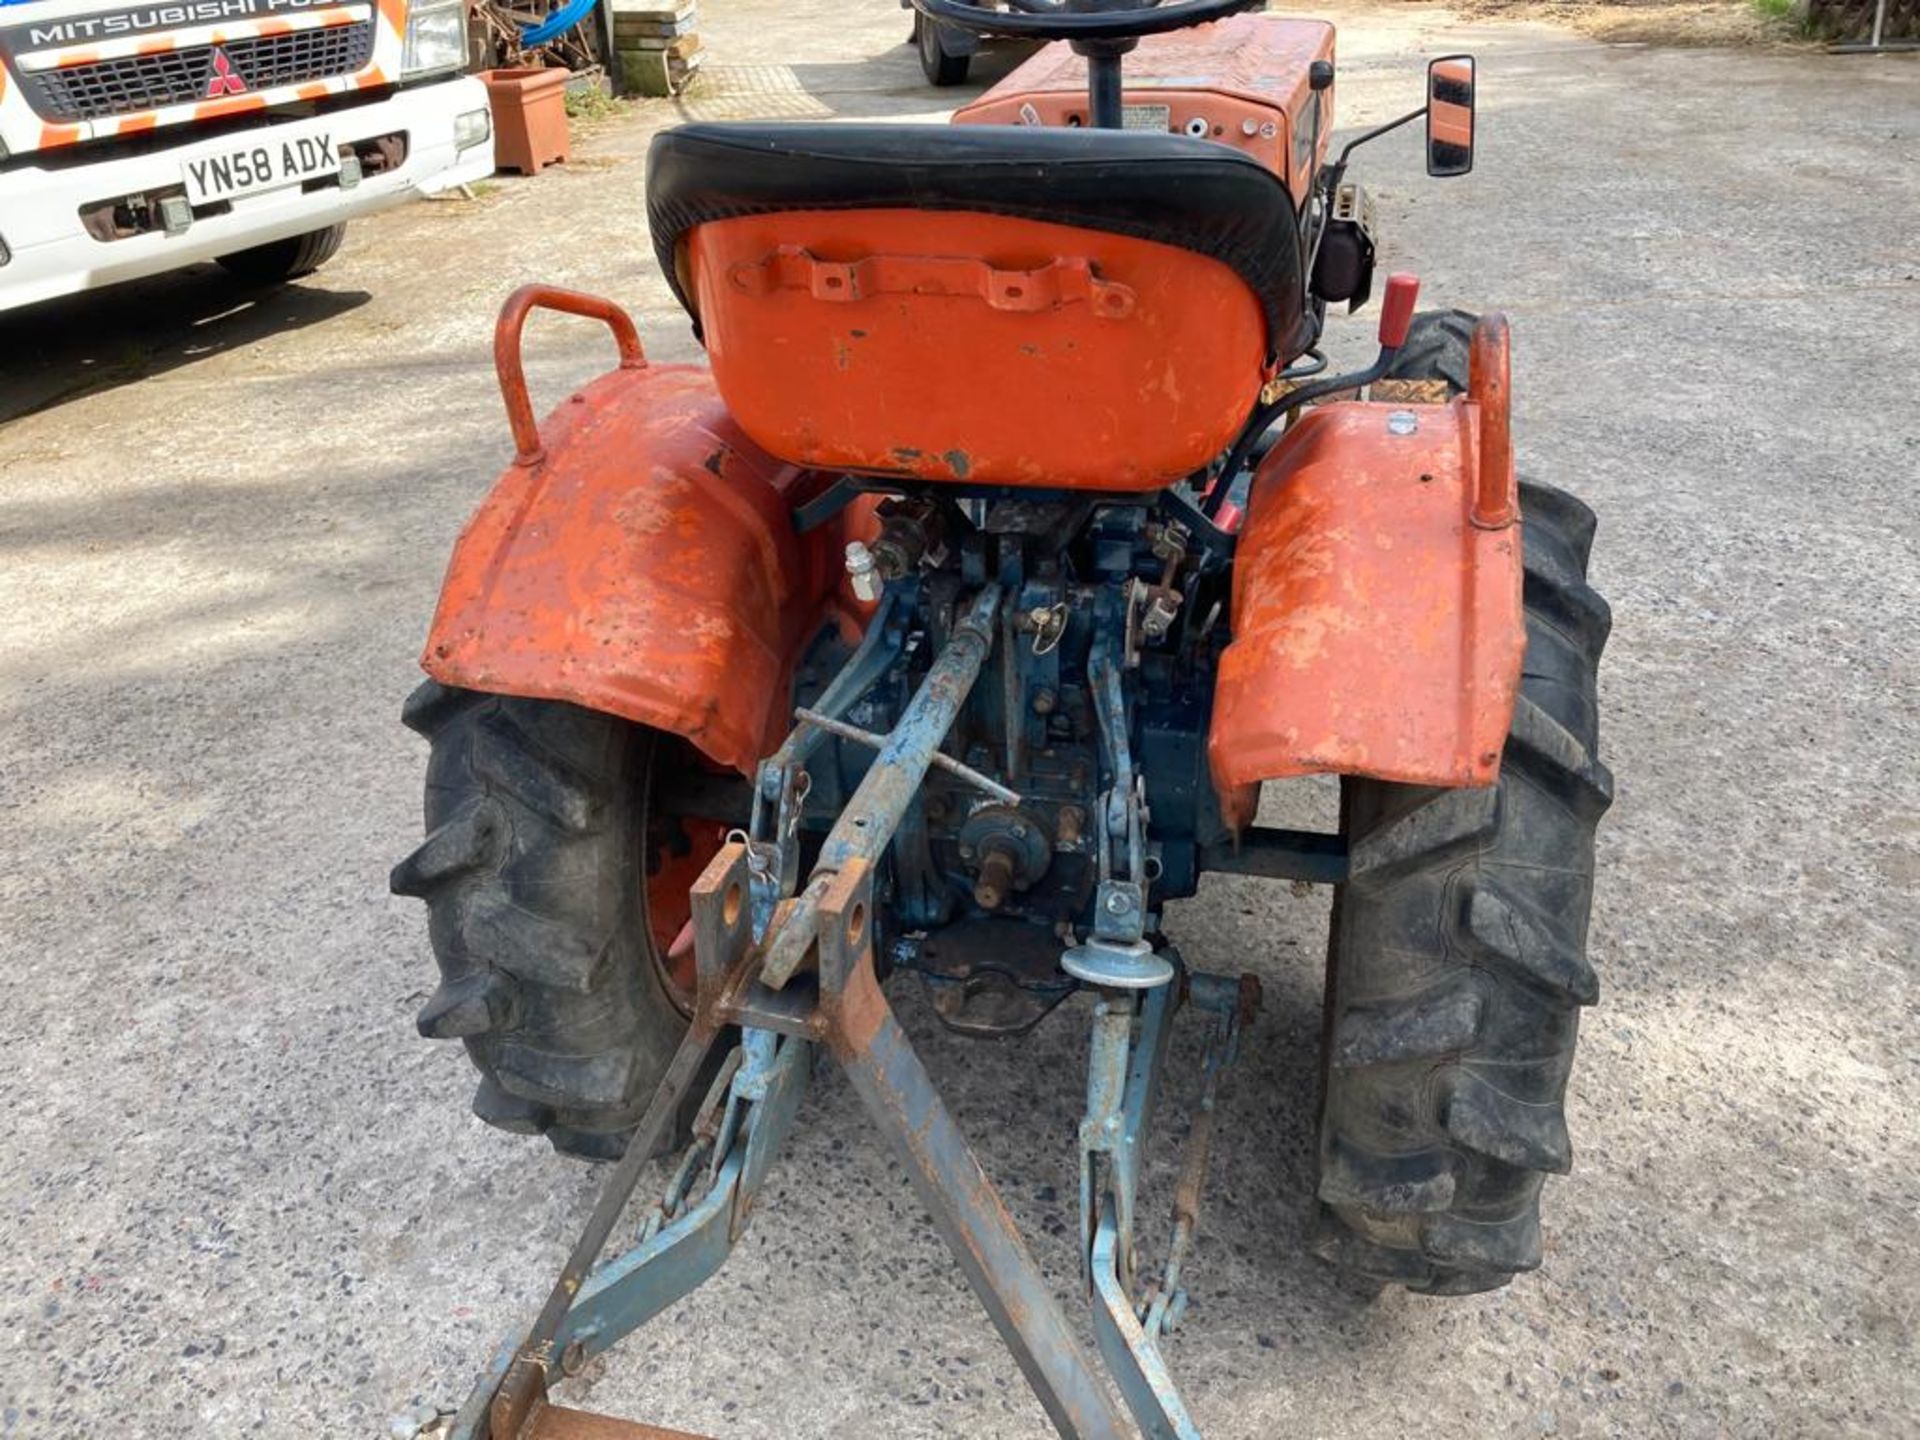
pixel 556 891
pixel 1457 965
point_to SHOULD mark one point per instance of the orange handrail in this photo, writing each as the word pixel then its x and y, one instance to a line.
pixel 513 375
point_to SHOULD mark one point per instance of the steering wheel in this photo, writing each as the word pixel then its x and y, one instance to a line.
pixel 1080 19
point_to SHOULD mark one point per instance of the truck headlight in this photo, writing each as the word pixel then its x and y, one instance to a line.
pixel 436 37
pixel 474 127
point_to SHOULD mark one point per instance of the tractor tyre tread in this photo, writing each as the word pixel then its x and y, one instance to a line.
pixel 1457 968
pixel 1436 348
pixel 530 869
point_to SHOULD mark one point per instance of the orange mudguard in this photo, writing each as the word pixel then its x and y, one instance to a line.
pixel 639 558
pixel 1377 622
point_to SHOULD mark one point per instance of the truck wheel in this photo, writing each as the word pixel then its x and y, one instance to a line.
pixel 939 65
pixel 555 896
pixel 1457 964
pixel 289 259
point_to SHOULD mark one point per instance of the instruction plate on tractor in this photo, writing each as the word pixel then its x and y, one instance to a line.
pixel 264 165
pixel 1146 117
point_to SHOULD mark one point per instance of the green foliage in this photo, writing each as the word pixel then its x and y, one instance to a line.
pixel 1793 15
pixel 591 103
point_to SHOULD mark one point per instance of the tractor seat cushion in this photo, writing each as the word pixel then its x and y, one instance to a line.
pixel 1177 191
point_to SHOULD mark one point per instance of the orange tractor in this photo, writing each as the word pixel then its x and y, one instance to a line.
pixel 761 688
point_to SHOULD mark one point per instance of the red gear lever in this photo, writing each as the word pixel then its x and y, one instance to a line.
pixel 1396 310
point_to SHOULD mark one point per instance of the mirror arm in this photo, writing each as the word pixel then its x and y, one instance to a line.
pixel 1334 171
pixel 1340 165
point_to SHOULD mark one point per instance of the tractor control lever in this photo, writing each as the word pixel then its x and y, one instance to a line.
pixel 1396 310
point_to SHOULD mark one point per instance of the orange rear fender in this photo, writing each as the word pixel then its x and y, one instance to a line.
pixel 641 560
pixel 1377 622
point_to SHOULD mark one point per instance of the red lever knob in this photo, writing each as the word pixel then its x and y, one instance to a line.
pixel 1396 311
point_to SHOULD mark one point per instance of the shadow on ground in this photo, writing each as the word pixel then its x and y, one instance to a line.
pixel 83 344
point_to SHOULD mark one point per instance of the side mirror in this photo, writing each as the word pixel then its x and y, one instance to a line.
pixel 1450 115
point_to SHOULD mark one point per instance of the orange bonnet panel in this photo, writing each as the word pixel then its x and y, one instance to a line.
pixel 967 347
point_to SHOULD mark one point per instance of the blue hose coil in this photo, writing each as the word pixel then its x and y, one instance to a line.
pixel 558 23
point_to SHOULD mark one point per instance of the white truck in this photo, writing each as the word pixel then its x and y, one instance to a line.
pixel 138 136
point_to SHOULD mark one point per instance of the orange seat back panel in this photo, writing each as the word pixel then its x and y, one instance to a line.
pixel 966 347
pixel 1377 628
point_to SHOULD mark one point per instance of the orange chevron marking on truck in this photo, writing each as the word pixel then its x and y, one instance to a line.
pixel 54 136
pixel 229 105
pixel 77 57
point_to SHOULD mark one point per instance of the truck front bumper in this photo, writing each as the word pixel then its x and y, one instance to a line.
pixel 49 251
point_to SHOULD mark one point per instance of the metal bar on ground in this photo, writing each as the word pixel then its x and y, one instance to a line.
pixel 1127 1340
pixel 725 961
pixel 627 1292
pixel 525 1380
pixel 971 1218
pixel 887 1074
pixel 557 1422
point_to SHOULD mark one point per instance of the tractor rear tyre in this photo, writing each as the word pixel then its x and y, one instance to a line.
pixel 278 261
pixel 555 896
pixel 937 63
pixel 1457 965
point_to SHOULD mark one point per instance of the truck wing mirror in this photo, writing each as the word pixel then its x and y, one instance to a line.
pixel 1450 115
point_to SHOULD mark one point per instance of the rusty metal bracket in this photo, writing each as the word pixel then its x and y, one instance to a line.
pixel 1130 1035
pixel 1067 281
pixel 508 1398
pixel 839 1003
pixel 901 1100
pixel 867 823
pixel 512 372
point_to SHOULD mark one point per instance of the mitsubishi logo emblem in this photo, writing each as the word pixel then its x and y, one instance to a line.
pixel 225 80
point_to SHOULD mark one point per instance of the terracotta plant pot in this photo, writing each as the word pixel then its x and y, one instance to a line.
pixel 529 117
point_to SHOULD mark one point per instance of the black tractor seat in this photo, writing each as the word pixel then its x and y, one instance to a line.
pixel 1194 194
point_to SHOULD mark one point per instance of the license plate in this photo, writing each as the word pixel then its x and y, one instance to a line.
pixel 265 164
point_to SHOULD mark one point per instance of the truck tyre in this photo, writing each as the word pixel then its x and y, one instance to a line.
pixel 554 897
pixel 937 63
pixel 289 259
pixel 1457 964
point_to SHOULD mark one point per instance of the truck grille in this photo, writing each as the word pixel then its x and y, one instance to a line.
pixel 179 77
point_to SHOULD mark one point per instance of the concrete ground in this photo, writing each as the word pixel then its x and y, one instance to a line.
pixel 242 1199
